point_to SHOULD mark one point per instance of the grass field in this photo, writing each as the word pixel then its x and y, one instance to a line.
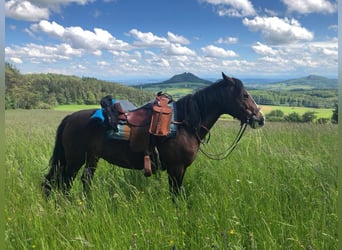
pixel 75 107
pixel 277 190
pixel 320 113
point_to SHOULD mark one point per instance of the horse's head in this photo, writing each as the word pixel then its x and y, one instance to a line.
pixel 244 107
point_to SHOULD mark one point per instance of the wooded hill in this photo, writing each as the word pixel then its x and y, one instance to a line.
pixel 29 91
pixel 303 83
pixel 45 91
pixel 311 91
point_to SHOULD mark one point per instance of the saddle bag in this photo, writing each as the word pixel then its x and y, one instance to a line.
pixel 161 116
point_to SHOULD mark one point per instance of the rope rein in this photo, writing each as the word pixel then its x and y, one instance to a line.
pixel 227 152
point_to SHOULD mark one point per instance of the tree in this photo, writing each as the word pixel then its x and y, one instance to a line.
pixel 334 117
pixel 308 116
pixel 293 117
pixel 275 115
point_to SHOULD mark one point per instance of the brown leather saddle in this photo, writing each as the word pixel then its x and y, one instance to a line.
pixel 139 117
pixel 151 119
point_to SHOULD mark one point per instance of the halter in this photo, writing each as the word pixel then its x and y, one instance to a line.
pixel 226 153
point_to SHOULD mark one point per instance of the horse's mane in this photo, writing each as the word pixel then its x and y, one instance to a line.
pixel 188 111
pixel 191 108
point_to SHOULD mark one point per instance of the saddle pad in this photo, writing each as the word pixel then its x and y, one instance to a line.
pixel 123 133
pixel 98 115
pixel 173 126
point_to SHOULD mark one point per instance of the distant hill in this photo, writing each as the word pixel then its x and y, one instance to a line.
pixel 311 91
pixel 186 77
pixel 178 85
pixel 304 83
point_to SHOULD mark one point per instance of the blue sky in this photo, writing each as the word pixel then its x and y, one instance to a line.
pixel 151 39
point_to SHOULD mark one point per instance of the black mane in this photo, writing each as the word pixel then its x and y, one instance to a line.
pixel 193 107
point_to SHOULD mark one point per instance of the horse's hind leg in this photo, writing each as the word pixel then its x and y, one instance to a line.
pixel 69 174
pixel 88 172
pixel 51 180
pixel 61 176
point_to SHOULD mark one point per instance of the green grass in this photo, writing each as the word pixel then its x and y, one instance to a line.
pixel 319 112
pixel 277 190
pixel 75 107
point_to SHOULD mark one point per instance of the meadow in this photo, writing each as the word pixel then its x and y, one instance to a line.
pixel 277 190
pixel 319 112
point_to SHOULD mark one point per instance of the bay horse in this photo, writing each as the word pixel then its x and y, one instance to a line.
pixel 81 141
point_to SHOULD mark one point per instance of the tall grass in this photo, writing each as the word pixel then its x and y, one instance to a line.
pixel 277 190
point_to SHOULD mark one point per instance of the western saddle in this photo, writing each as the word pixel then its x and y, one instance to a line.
pixel 151 119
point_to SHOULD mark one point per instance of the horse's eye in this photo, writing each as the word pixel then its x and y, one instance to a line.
pixel 245 96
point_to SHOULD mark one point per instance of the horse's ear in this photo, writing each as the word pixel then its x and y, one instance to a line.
pixel 228 79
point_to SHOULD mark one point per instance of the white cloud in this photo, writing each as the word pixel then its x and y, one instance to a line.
pixel 310 6
pixel 263 49
pixel 237 8
pixel 61 51
pixel 51 29
pixel 103 63
pixel 80 67
pixel 25 10
pixel 148 39
pixel 170 46
pixel 333 27
pixel 36 10
pixel 97 52
pixel 16 60
pixel 81 39
pixel 324 49
pixel 217 52
pixel 271 12
pixel 279 31
pixel 121 54
pixel 227 40
pixel 177 49
pixel 40 53
pixel 177 38
pixel 242 67
pixel 161 62
pixel 300 58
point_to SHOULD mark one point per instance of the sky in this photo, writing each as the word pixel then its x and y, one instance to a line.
pixel 123 40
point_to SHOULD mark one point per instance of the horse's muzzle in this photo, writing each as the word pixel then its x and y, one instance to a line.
pixel 257 121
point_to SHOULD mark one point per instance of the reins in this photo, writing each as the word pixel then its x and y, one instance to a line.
pixel 226 153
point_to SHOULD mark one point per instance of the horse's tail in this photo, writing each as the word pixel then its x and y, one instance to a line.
pixel 58 156
pixel 57 161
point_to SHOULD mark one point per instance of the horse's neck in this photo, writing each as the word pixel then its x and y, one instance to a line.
pixel 208 119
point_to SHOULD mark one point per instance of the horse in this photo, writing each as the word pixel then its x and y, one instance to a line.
pixel 79 140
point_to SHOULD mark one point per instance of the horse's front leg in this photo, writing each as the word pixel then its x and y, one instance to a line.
pixel 175 176
pixel 88 173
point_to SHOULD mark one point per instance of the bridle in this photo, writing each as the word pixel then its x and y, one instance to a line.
pixel 251 119
pixel 229 150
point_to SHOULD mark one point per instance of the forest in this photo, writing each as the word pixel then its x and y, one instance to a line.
pixel 45 91
pixel 313 98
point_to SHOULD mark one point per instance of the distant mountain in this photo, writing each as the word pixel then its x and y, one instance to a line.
pixel 186 77
pixel 308 82
pixel 187 83
pixel 177 86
